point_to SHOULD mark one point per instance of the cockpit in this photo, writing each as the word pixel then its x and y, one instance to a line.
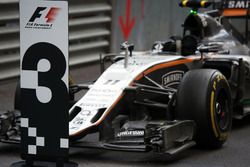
pixel 198 28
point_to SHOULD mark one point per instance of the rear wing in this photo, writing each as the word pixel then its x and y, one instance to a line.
pixel 236 9
pixel 232 8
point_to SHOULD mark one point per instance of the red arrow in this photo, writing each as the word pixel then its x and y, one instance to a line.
pixel 128 26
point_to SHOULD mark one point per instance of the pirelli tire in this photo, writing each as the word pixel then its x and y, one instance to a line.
pixel 205 97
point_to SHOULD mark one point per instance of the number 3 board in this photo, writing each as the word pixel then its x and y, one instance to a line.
pixel 44 79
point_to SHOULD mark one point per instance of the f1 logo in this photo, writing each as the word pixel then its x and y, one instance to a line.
pixel 50 15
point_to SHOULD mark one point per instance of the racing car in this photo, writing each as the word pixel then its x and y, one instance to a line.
pixel 184 91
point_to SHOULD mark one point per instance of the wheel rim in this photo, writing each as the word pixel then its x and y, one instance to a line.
pixel 222 112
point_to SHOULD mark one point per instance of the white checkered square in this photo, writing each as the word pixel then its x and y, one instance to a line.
pixel 24 122
pixel 32 132
pixel 64 143
pixel 32 149
pixel 40 141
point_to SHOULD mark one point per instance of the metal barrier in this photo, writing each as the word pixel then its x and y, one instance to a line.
pixel 90 33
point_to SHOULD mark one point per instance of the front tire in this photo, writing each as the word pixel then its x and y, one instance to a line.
pixel 204 96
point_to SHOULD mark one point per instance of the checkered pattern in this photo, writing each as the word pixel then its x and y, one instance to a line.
pixel 40 141
pixel 64 143
pixel 32 132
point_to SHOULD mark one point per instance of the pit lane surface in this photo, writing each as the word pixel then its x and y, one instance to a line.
pixel 235 153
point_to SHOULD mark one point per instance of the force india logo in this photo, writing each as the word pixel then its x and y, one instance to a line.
pixel 236 4
pixel 42 19
pixel 172 78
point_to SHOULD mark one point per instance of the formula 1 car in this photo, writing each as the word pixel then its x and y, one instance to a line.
pixel 185 91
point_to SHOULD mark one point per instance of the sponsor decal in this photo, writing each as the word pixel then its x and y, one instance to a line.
pixel 79 121
pixel 111 82
pixel 172 78
pixel 97 90
pixel 43 18
pixel 237 4
pixel 130 133
pixel 74 128
pixel 86 113
pixel 92 105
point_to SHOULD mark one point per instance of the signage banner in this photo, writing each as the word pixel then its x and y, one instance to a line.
pixel 44 79
pixel 236 4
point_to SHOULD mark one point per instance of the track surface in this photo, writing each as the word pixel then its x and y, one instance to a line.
pixel 235 153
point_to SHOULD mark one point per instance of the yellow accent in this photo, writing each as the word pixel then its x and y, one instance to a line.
pixel 223 137
pixel 71 80
pixel 214 85
pixel 212 114
pixel 219 77
pixel 184 3
pixel 203 3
